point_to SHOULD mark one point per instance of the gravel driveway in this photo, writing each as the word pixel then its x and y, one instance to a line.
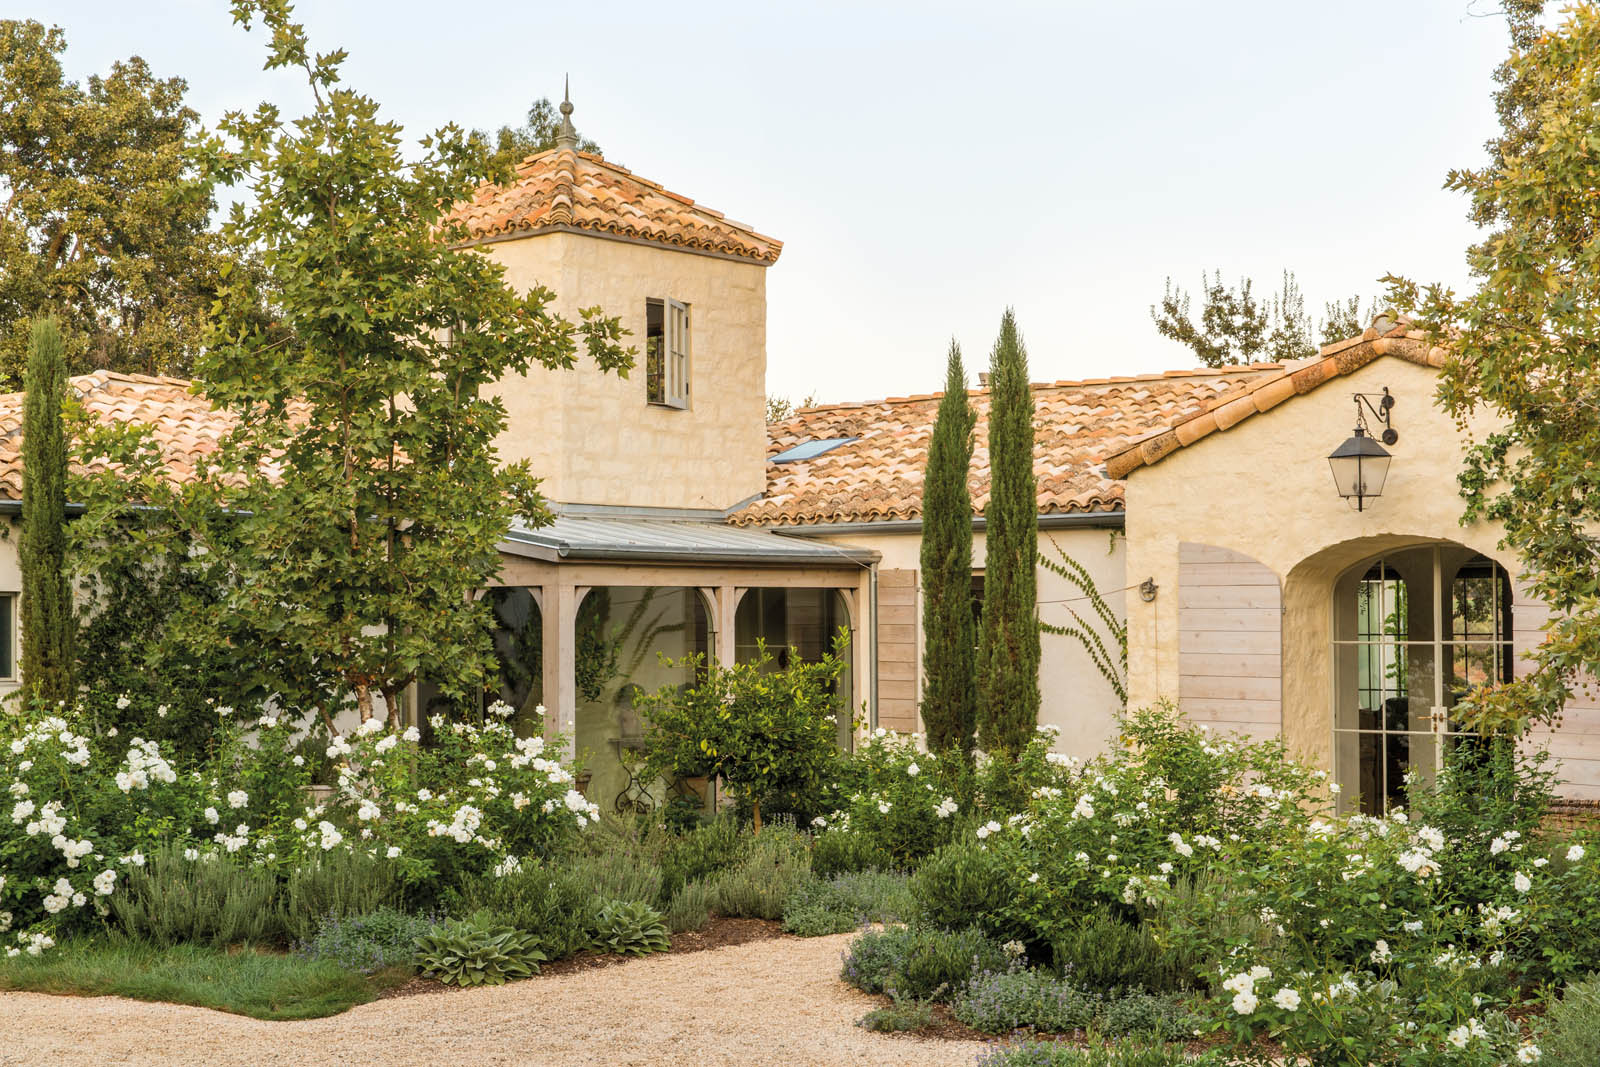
pixel 766 1002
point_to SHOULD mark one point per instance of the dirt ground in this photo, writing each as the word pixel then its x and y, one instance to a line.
pixel 766 1001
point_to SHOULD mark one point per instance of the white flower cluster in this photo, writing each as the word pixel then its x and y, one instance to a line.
pixel 143 764
pixel 1243 988
pixel 947 807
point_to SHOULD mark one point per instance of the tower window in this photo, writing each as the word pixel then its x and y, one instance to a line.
pixel 666 350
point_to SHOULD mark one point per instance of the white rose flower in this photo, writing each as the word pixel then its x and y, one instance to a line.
pixel 1529 1054
pixel 238 798
pixel 1245 1002
pixel 1522 882
pixel 212 816
pixel 913 770
pixel 1287 999
pixel 1574 854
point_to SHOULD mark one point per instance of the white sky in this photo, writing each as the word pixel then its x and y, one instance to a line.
pixel 927 164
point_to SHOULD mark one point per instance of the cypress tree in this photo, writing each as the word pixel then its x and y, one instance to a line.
pixel 46 596
pixel 1008 640
pixel 949 661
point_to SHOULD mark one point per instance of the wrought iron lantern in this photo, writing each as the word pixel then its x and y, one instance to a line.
pixel 1361 464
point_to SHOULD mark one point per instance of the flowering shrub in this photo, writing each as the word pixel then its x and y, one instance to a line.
pixel 1170 802
pixel 904 803
pixel 83 808
pixel 900 800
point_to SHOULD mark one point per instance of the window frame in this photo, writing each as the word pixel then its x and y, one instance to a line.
pixel 668 370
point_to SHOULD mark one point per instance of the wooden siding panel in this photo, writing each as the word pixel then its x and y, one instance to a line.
pixel 898 684
pixel 1230 641
pixel 1575 743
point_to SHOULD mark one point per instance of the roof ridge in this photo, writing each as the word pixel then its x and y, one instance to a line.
pixel 1385 337
pixel 564 188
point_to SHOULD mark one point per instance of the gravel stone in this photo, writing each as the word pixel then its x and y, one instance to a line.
pixel 777 1002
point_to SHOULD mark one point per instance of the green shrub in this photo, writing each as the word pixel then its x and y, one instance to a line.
pixel 846 901
pixel 1101 951
pixel 1120 1054
pixel 840 851
pixel 690 907
pixel 904 1013
pixel 336 883
pixel 625 874
pixel 1000 1002
pixel 629 928
pixel 961 885
pixel 919 961
pixel 773 865
pixel 369 943
pixel 477 951
pixel 554 904
pixel 711 846
pixel 1144 1014
pixel 1571 1035
pixel 208 901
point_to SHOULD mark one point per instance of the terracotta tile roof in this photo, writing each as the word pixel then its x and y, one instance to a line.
pixel 563 189
pixel 184 425
pixel 1077 425
pixel 1385 337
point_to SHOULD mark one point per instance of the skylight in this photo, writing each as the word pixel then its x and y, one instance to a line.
pixel 811 449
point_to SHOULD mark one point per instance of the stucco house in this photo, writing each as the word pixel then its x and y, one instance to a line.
pixel 1202 503
pixel 1258 598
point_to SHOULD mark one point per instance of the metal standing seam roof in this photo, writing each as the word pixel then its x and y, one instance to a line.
pixel 583 538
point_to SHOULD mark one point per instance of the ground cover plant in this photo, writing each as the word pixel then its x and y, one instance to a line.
pixel 263 985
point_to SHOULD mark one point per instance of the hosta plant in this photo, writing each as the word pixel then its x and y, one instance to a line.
pixel 630 928
pixel 477 951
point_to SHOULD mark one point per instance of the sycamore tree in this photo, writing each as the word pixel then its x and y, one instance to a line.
pixel 363 492
pixel 1525 345
pixel 1236 325
pixel 104 221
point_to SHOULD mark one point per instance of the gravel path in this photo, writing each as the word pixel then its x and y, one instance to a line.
pixel 766 1002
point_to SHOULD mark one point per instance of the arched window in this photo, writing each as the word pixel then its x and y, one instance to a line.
pixel 1414 632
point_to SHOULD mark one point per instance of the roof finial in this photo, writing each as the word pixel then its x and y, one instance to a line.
pixel 566 135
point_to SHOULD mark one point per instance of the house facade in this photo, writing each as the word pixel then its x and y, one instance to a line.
pixel 1200 503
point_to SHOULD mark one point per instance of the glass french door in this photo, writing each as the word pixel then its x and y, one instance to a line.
pixel 1414 632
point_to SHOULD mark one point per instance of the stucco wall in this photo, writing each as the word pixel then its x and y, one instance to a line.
pixel 11 582
pixel 1264 489
pixel 1073 695
pixel 592 436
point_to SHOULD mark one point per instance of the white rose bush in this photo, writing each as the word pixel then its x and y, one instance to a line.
pixel 80 809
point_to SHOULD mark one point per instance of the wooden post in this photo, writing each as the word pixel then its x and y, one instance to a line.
pixel 559 614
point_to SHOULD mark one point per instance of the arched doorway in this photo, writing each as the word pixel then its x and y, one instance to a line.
pixel 1414 630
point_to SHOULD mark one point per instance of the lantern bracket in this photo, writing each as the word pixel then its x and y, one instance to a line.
pixel 1380 404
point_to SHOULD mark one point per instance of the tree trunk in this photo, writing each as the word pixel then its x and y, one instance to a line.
pixel 364 700
pixel 755 817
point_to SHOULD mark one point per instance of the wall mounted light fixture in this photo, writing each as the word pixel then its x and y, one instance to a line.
pixel 1361 464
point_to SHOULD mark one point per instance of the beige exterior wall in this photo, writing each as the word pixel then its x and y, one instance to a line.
pixel 591 436
pixel 1073 695
pixel 11 582
pixel 1264 490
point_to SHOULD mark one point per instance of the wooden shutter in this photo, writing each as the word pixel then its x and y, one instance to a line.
pixel 677 354
pixel 1230 641
pixel 1575 744
pixel 897 650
